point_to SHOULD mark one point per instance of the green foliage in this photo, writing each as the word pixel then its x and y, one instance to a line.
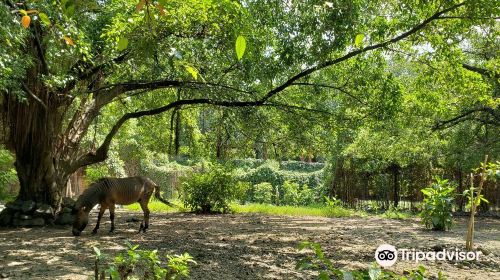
pixel 327 270
pixel 334 208
pixel 396 213
pixel 95 172
pixel 263 193
pixel 270 172
pixel 143 264
pixel 246 164
pixel 306 196
pixel 210 191
pixel 8 175
pixel 301 166
pixel 164 172
pixel 290 193
pixel 437 205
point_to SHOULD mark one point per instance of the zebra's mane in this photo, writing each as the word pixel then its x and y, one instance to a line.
pixel 90 197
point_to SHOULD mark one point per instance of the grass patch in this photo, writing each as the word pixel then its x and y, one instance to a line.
pixel 157 206
pixel 397 215
pixel 312 210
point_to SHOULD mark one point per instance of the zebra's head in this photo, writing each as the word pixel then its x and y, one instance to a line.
pixel 81 220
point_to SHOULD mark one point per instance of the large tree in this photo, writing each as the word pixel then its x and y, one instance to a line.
pixel 64 61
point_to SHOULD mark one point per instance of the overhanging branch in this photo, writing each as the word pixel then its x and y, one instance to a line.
pixel 102 152
pixel 349 55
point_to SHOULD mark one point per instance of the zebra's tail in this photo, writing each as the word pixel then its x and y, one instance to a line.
pixel 158 196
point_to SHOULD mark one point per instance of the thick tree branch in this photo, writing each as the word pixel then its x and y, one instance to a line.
pixel 469 115
pixel 341 89
pixel 102 152
pixel 479 70
pixel 30 93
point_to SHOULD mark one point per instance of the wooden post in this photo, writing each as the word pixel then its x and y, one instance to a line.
pixel 469 241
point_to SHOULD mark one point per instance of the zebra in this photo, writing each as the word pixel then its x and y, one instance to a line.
pixel 110 191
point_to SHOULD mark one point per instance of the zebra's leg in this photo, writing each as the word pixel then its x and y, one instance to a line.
pixel 112 217
pixel 99 216
pixel 145 209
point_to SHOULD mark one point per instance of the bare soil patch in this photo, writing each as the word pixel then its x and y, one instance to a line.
pixel 243 246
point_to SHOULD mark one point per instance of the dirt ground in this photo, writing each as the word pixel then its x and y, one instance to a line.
pixel 243 246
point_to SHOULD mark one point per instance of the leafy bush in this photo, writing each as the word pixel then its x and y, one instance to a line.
pixel 437 205
pixel 243 191
pixel 306 196
pixel 143 264
pixel 270 172
pixel 263 193
pixel 8 175
pixel 210 191
pixel 327 270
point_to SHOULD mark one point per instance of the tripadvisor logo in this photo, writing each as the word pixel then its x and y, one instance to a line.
pixel 386 255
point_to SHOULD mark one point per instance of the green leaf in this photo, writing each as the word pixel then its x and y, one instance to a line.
pixel 359 39
pixel 241 45
pixel 192 71
pixel 44 18
pixel 122 43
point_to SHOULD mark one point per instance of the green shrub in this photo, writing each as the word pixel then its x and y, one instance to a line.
pixel 263 193
pixel 290 193
pixel 210 191
pixel 437 205
pixel 243 191
pixel 306 196
pixel 142 264
pixel 270 172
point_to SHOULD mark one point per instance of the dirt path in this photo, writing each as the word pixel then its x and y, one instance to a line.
pixel 244 246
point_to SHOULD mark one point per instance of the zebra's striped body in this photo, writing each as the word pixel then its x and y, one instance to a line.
pixel 110 191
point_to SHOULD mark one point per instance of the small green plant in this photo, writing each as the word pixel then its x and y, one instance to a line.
pixel 211 191
pixel 326 270
pixel 142 264
pixel 333 208
pixel 396 213
pixel 437 205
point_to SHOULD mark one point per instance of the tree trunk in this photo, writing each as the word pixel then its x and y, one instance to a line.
pixel 396 185
pixel 34 128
